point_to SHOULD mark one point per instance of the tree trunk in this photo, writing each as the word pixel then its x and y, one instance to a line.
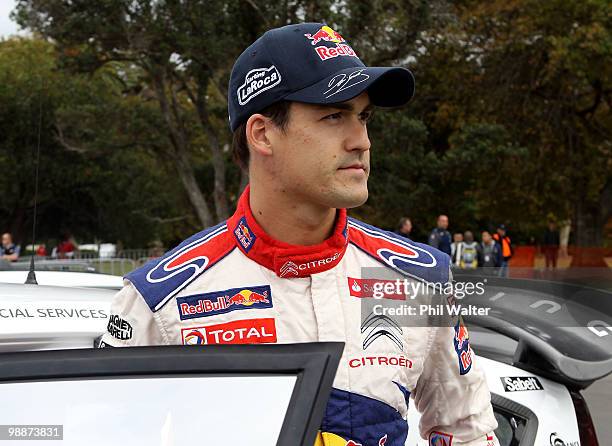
pixel 17 227
pixel 181 153
pixel 220 192
pixel 187 176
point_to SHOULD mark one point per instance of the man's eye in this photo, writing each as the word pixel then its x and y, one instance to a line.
pixel 334 116
pixel 366 116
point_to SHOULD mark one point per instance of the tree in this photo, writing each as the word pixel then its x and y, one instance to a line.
pixel 540 70
pixel 185 51
pixel 79 185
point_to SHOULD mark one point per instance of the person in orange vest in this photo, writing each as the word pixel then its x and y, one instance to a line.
pixel 506 247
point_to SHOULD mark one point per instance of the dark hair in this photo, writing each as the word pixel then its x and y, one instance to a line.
pixel 277 112
pixel 402 221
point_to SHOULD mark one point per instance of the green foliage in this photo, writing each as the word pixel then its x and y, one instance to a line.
pixel 93 191
pixel 511 122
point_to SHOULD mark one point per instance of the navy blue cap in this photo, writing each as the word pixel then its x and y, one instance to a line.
pixel 312 63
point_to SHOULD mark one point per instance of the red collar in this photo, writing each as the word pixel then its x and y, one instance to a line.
pixel 284 259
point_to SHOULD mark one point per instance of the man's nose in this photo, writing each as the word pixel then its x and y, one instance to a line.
pixel 358 138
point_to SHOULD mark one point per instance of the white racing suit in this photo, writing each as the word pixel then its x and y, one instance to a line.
pixel 233 283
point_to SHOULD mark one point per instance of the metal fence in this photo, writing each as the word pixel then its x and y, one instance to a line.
pixel 123 263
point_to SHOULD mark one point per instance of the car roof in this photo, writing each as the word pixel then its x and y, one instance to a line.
pixel 65 278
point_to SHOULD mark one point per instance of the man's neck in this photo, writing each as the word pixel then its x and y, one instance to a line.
pixel 288 220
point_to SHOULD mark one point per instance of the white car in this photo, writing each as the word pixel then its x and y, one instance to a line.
pixel 65 279
pixel 536 360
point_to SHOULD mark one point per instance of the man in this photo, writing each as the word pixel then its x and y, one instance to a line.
pixel 8 251
pixel 404 227
pixel 550 245
pixel 469 252
pixel 287 266
pixel 507 250
pixel 456 248
pixel 490 256
pixel 440 237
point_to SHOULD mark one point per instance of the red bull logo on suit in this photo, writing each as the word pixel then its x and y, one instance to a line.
pixel 462 347
pixel 220 302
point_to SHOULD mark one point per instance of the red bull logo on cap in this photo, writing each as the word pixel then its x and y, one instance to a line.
pixel 220 302
pixel 326 34
pixel 462 347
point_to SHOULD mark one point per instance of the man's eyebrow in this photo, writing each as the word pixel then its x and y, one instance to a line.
pixel 347 106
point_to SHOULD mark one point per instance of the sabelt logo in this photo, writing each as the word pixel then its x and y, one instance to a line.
pixel 521 383
pixel 292 268
pixel 256 82
pixel 248 331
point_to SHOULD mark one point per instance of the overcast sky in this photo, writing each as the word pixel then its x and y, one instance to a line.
pixel 7 27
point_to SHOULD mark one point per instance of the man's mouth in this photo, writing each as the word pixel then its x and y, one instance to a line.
pixel 354 166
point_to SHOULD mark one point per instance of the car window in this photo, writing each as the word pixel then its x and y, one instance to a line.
pixel 144 411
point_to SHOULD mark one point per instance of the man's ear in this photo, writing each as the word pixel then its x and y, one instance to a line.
pixel 257 128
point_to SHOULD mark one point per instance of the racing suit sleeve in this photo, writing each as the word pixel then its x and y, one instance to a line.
pixel 451 393
pixel 131 322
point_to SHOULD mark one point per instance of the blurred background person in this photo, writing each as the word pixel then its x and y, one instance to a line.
pixel 506 249
pixel 440 237
pixel 550 245
pixel 404 227
pixel 67 247
pixel 490 256
pixel 9 251
pixel 456 248
pixel 41 251
pixel 469 254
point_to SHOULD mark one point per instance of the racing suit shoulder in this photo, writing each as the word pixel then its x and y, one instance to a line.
pixel 131 321
pixel 413 259
pixel 161 279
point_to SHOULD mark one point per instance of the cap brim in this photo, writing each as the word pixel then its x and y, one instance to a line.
pixel 386 87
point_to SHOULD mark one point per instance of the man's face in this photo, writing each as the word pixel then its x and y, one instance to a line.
pixel 443 222
pixel 6 239
pixel 323 155
pixel 407 227
pixel 458 238
pixel 486 237
pixel 501 231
